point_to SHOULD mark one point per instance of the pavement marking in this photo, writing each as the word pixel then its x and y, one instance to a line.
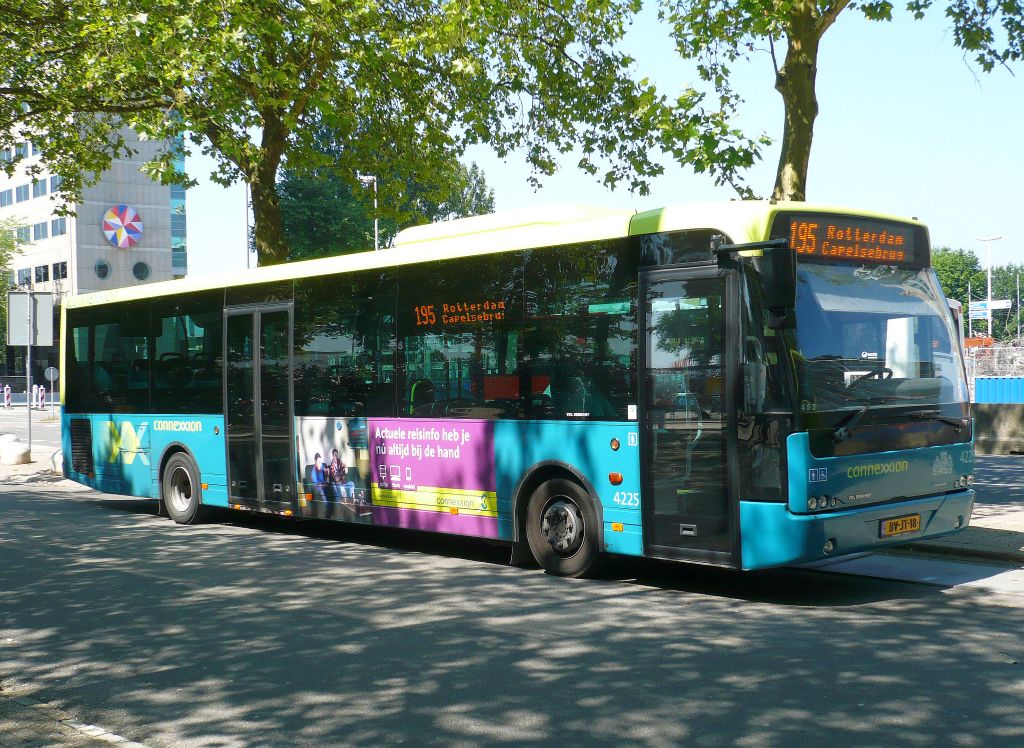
pixel 100 734
pixel 36 717
pixel 936 572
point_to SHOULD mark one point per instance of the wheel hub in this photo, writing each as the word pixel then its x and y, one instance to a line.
pixel 562 525
pixel 180 489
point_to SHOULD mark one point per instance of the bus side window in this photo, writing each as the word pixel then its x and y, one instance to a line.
pixel 118 338
pixel 459 326
pixel 78 388
pixel 186 343
pixel 580 330
pixel 344 345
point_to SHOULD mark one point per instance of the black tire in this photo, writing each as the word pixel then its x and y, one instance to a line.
pixel 562 528
pixel 180 489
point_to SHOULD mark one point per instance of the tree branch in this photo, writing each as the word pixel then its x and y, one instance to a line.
pixel 830 14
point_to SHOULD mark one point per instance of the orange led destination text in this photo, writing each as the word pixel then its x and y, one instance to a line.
pixel 846 242
pixel 461 312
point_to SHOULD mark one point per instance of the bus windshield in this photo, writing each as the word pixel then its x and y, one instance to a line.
pixel 875 336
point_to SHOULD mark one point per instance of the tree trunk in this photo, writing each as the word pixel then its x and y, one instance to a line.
pixel 795 80
pixel 271 243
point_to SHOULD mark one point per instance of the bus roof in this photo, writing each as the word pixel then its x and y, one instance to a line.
pixel 742 221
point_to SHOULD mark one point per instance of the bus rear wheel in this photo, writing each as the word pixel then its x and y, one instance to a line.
pixel 561 528
pixel 180 489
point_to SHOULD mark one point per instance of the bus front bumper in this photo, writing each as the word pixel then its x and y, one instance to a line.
pixel 771 535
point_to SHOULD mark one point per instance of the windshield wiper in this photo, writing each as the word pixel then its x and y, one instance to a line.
pixel 844 429
pixel 936 415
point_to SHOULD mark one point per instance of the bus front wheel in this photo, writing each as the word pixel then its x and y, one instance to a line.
pixel 181 491
pixel 561 528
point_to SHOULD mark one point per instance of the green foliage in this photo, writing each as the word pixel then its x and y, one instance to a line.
pixel 959 268
pixel 405 86
pixel 324 216
pixel 1007 323
pixel 8 245
pixel 715 34
pixel 67 73
pixel 8 248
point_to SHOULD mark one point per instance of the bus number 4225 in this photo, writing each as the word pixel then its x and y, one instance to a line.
pixel 626 498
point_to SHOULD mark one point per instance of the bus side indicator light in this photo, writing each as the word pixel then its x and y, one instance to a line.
pixel 615 479
pixel 615 445
pixel 617 527
pixel 454 510
pixel 205 486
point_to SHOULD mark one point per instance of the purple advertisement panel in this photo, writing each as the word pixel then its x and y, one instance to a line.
pixel 434 475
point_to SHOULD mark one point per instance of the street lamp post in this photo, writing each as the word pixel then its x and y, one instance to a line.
pixel 970 319
pixel 989 246
pixel 366 180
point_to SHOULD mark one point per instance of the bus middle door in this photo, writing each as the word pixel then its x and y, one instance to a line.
pixel 258 406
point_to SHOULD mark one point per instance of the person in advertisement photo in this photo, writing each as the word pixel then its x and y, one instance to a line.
pixel 344 492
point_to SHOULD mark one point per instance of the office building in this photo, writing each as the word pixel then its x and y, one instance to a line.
pixel 126 230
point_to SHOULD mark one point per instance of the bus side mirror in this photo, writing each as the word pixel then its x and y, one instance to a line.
pixel 777 268
pixel 775 264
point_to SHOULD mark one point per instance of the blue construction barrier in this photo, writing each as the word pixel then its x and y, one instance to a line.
pixel 999 390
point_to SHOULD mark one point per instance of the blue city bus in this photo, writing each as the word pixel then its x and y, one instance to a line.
pixel 746 385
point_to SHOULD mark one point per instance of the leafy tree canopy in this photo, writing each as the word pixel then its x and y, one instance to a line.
pixel 717 33
pixel 8 248
pixel 958 269
pixel 404 84
pixel 963 279
pixel 8 245
pixel 323 216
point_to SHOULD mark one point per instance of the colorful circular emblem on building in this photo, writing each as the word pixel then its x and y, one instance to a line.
pixel 123 226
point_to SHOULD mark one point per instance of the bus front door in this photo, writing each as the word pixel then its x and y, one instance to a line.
pixel 687 511
pixel 258 406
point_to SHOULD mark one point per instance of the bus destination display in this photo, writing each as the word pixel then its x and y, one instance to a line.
pixel 850 239
pixel 460 313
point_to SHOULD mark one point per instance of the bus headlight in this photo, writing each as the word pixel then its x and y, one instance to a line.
pixel 970 480
pixel 823 502
pixel 812 503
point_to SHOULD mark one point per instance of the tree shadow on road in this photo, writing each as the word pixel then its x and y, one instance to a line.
pixel 260 631
pixel 999 480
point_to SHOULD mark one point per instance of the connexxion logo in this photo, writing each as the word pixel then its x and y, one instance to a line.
pixel 193 426
pixel 125 439
pixel 877 468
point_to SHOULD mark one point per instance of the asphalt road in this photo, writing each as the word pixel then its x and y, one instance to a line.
pixel 255 631
pixel 45 429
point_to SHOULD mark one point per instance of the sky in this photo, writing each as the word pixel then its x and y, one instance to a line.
pixel 906 125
